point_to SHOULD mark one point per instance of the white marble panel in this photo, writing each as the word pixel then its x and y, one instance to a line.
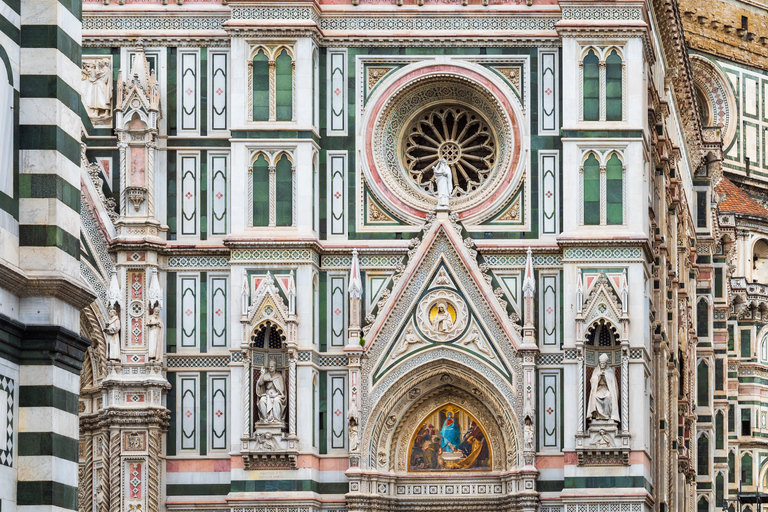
pixel 48 419
pixel 44 468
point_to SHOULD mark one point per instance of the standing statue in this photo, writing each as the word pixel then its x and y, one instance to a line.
pixel 528 435
pixel 112 336
pixel 603 400
pixel 97 88
pixel 354 441
pixel 270 389
pixel 155 326
pixel 444 183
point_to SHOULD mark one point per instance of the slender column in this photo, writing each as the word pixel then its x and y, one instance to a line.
pixel 246 395
pixel 272 90
pixel 602 90
pixel 603 196
pixel 292 395
pixel 272 196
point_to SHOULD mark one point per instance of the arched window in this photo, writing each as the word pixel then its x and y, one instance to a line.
pixel 261 191
pixel 614 190
pixel 261 86
pixel 284 86
pixel 702 456
pixel 284 191
pixel 591 86
pixel 613 77
pixel 731 468
pixel 702 319
pixel 746 469
pixel 719 488
pixel 719 432
pixel 703 505
pixel 702 384
pixel 760 261
pixel 764 349
pixel 591 190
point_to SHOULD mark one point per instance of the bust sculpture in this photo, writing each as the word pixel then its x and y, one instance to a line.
pixel 270 389
pixel 444 182
pixel 603 399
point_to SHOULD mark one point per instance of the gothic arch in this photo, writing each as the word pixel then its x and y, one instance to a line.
pixel 405 399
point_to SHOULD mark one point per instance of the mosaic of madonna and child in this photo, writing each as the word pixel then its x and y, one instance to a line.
pixel 450 439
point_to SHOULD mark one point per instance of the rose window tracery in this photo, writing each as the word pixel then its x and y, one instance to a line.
pixel 459 135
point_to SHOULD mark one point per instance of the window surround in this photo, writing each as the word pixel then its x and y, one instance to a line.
pixel 272 156
pixel 272 52
pixel 603 156
pixel 602 55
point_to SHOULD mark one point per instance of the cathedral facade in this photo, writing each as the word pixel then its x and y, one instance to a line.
pixel 381 255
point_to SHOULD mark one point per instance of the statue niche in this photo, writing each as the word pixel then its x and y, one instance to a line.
pixel 269 375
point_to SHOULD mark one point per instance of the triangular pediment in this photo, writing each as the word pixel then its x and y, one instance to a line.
pixel 441 301
pixel 266 304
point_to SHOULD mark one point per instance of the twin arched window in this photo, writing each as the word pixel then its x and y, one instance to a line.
pixel 272 187
pixel 272 73
pixel 603 191
pixel 602 90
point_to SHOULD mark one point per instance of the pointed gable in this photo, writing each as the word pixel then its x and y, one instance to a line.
pixel 441 270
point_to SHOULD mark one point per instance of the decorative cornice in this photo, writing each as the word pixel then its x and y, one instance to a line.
pixel 65 288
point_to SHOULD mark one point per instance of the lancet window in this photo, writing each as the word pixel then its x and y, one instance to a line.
pixel 603 184
pixel 272 190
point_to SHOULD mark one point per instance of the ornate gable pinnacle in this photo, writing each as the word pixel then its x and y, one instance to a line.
pixel 355 283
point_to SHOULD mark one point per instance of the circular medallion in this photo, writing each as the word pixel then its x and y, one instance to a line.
pixel 459 112
pixel 442 315
pixel 136 308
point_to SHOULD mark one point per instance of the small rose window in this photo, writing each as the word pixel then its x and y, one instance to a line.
pixel 459 135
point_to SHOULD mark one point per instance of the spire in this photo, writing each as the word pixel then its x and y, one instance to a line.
pixel 529 283
pixel 624 289
pixel 355 283
pixel 244 293
pixel 579 293
pixel 291 290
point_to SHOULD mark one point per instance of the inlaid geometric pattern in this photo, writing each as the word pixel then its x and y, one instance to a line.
pixel 366 261
pixel 198 262
pixel 603 253
pixel 161 23
pixel 175 361
pixel 297 255
pixel 7 387
pixel 602 13
pixel 518 260
pixel 545 359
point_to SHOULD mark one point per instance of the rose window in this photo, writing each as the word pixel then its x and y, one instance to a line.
pixel 459 135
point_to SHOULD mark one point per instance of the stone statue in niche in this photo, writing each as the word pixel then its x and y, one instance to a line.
pixel 270 389
pixel 354 440
pixel 603 400
pixel 112 336
pixel 442 322
pixel 528 434
pixel 97 89
pixel 443 178
pixel 155 327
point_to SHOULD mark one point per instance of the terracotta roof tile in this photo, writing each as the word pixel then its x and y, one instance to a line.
pixel 737 201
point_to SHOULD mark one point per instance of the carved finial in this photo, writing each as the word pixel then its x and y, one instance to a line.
pixel 355 283
pixel 291 290
pixel 155 293
pixel 529 283
pixel 114 295
pixel 245 292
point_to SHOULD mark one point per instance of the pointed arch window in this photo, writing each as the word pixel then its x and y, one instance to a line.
pixel 702 384
pixel 702 319
pixel 602 81
pixel 603 188
pixel 591 191
pixel 613 86
pixel 731 468
pixel 719 432
pixel 271 76
pixel 591 85
pixel 614 190
pixel 703 505
pixel 260 73
pixel 746 469
pixel 272 190
pixel 719 488
pixel 702 456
